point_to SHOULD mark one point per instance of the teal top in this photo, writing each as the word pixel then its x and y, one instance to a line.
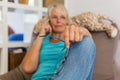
pixel 49 59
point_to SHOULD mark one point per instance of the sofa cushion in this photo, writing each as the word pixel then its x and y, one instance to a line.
pixel 106 48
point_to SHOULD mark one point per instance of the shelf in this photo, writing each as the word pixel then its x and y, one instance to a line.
pixel 19 6
pixel 5 9
pixel 22 6
pixel 18 44
pixel 15 44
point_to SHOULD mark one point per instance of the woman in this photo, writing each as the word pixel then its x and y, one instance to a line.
pixel 61 50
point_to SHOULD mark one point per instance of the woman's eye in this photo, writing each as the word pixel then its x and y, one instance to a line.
pixel 62 17
pixel 55 17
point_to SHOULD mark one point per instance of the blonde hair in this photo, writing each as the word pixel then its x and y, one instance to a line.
pixel 58 8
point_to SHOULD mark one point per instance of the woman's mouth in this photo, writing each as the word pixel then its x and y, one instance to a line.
pixel 58 25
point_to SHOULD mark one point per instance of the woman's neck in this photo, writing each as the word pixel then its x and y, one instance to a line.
pixel 58 35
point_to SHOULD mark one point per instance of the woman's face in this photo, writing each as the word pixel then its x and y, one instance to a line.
pixel 57 22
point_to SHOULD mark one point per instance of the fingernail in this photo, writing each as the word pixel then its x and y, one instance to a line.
pixel 67 46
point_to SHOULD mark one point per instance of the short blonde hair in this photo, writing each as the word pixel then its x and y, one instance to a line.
pixel 58 8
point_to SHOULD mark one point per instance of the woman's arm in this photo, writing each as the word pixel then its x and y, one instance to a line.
pixel 30 61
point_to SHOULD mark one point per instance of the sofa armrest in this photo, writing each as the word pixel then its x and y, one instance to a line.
pixel 105 51
pixel 25 75
pixel 14 74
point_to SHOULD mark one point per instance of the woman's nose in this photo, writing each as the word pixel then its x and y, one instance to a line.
pixel 58 19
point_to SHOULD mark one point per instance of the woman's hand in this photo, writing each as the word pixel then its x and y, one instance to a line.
pixel 45 28
pixel 75 34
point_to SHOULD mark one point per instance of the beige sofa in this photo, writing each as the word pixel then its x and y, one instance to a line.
pixel 104 62
pixel 103 70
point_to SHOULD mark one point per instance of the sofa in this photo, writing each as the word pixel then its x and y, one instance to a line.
pixel 104 62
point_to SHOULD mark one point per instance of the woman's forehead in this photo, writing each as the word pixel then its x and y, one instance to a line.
pixel 57 12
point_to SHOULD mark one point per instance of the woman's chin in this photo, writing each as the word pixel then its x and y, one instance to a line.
pixel 58 31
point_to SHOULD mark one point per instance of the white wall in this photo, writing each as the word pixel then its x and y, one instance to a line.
pixel 21 22
pixel 15 21
pixel 105 7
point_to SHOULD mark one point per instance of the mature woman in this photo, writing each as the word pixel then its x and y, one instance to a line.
pixel 61 50
pixel 45 56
